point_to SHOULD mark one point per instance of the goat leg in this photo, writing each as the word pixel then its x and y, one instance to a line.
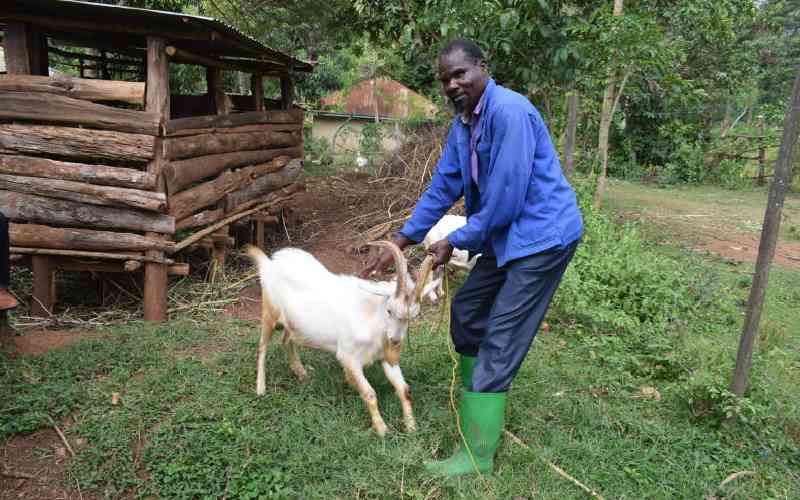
pixel 354 373
pixel 395 376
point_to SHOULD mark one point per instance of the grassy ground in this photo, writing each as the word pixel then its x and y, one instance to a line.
pixel 188 424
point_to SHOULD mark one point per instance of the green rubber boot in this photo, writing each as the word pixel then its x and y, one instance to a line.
pixel 482 417
pixel 467 365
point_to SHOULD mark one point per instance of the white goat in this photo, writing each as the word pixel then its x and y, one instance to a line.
pixel 460 259
pixel 358 320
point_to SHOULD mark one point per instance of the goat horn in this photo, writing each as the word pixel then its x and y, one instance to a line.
pixel 400 264
pixel 424 270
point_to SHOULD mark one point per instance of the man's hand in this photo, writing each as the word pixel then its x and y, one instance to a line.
pixel 442 250
pixel 382 260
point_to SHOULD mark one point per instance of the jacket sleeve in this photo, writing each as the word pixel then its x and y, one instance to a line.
pixel 445 189
pixel 509 175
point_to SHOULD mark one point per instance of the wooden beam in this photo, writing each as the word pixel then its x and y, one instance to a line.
pixel 200 219
pixel 40 236
pixel 257 89
pixel 263 185
pixel 157 101
pixel 287 92
pixel 137 60
pixel 178 148
pixel 79 172
pixel 78 88
pixel 18 49
pixel 182 56
pixel 91 255
pixel 43 107
pixel 20 207
pixel 85 193
pixel 263 127
pixel 216 94
pixel 234 120
pixel 44 287
pixel 69 142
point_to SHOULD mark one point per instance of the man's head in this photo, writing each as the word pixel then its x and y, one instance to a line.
pixel 463 73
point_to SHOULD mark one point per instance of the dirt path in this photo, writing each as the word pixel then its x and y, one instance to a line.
pixel 726 223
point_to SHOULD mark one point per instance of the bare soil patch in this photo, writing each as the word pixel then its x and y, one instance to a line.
pixel 40 341
pixel 34 466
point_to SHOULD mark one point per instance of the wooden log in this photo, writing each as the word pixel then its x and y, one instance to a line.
pixel 201 219
pixel 66 142
pixel 263 127
pixel 78 88
pixel 179 174
pixel 91 255
pixel 177 148
pixel 44 286
pixel 39 236
pixel 181 56
pixel 233 120
pixel 264 185
pixel 21 207
pixel 79 172
pixel 43 107
pixel 257 91
pixel 18 44
pixel 284 193
pixel 287 92
pixel 269 201
pixel 85 193
pixel 179 269
pixel 187 202
pixel 156 277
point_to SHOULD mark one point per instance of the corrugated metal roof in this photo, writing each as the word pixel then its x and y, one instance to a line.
pixel 129 24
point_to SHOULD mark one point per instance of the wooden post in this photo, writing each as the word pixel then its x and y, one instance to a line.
pixel 572 124
pixel 156 101
pixel 44 287
pixel 769 238
pixel 257 88
pixel 216 94
pixel 19 49
pixel 287 92
pixel 762 151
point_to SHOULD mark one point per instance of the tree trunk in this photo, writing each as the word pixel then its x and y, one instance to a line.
pixel 762 151
pixel 572 125
pixel 68 142
pixel 605 125
pixel 29 208
pixel 769 238
pixel 79 172
pixel 201 219
pixel 38 236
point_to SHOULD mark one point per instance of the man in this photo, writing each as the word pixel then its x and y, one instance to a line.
pixel 522 216
pixel 7 301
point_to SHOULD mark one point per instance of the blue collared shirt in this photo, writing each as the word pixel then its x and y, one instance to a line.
pixel 522 204
pixel 474 123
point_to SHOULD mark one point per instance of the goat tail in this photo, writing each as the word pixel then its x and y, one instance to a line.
pixel 259 257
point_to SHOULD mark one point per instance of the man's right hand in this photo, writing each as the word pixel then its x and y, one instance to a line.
pixel 380 261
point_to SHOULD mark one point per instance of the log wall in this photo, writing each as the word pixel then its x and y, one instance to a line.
pixel 76 173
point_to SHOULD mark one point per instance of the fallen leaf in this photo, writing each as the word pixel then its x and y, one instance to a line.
pixel 650 392
pixel 115 398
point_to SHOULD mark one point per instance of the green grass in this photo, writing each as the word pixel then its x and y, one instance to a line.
pixel 190 426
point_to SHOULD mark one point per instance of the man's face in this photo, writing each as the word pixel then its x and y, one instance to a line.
pixel 463 80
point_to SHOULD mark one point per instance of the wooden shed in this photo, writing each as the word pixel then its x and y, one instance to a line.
pixel 121 175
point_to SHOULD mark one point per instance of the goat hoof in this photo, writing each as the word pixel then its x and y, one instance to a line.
pixel 411 425
pixel 381 429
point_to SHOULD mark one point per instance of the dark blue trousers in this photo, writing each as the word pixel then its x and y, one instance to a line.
pixel 496 314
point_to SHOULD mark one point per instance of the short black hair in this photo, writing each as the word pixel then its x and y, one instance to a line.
pixel 469 48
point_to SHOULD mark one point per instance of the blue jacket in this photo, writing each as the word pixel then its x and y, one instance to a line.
pixel 522 205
